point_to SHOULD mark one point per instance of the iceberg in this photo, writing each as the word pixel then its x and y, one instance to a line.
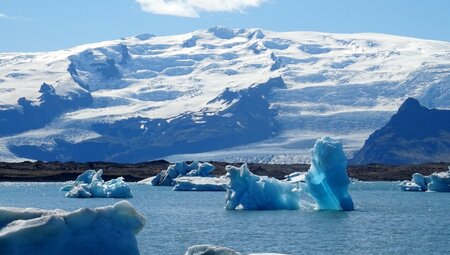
pixel 167 177
pixel 104 230
pixel 438 182
pixel 210 250
pixel 252 192
pixel 327 180
pixel 295 177
pixel 197 183
pixel 90 184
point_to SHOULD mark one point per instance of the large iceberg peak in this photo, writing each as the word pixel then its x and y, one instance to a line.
pixel 327 180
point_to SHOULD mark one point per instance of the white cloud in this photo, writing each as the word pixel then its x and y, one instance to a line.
pixel 192 8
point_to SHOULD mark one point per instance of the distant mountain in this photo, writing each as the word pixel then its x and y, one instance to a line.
pixel 415 134
pixel 218 94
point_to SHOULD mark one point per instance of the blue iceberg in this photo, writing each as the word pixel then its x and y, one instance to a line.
pixel 252 192
pixel 90 184
pixel 167 177
pixel 327 180
pixel 438 182
pixel 104 230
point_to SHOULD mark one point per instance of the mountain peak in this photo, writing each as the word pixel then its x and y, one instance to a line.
pixel 410 104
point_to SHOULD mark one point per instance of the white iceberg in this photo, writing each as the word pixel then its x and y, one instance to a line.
pixel 105 230
pixel 217 250
pixel 90 184
pixel 439 182
pixel 210 250
pixel 327 180
pixel 196 183
pixel 167 177
pixel 295 177
pixel 252 192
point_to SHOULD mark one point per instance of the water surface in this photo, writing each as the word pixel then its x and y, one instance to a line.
pixel 386 220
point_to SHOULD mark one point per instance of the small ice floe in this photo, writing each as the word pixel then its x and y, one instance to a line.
pixel 439 182
pixel 103 230
pixel 90 184
pixel 197 183
pixel 217 250
pixel 295 177
pixel 167 177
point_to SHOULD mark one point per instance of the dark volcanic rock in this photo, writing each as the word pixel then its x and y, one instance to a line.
pixel 415 134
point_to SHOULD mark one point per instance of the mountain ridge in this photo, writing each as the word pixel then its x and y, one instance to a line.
pixel 415 134
pixel 345 85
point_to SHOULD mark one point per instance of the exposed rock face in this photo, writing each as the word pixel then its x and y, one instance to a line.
pixel 415 134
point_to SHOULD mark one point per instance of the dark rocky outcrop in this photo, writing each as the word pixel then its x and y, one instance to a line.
pixel 415 134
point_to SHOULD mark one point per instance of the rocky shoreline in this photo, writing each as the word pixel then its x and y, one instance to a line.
pixel 62 171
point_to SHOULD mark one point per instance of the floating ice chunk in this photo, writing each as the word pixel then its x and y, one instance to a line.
pixel 217 250
pixel 327 180
pixel 439 182
pixel 210 250
pixel 166 178
pixel 410 186
pixel 146 181
pixel 295 177
pixel 104 230
pixel 196 183
pixel 252 192
pixel 418 183
pixel 91 184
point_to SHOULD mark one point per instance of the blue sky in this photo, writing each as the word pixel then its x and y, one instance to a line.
pixel 31 25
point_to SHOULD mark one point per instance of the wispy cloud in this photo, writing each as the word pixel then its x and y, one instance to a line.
pixel 4 16
pixel 192 8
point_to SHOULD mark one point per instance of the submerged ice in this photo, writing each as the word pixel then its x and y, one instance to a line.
pixel 327 180
pixel 252 192
pixel 90 184
pixel 439 182
pixel 167 177
pixel 104 230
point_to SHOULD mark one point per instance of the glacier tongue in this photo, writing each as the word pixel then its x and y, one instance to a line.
pixel 343 85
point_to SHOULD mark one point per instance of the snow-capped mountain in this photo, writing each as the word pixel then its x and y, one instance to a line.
pixel 216 94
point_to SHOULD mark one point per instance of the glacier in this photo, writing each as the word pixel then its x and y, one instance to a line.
pixel 103 230
pixel 264 96
pixel 252 192
pixel 327 180
pixel 181 168
pixel 91 184
pixel 438 182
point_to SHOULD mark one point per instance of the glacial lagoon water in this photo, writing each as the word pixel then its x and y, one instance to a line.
pixel 386 220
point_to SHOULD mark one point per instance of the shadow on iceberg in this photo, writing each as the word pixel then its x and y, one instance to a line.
pixel 103 230
pixel 327 183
